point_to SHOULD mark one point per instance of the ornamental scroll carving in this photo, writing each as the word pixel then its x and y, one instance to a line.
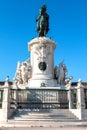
pixel 42 51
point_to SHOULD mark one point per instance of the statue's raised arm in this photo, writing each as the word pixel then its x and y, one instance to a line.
pixel 42 22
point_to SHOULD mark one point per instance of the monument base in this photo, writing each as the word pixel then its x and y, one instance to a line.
pixel 37 83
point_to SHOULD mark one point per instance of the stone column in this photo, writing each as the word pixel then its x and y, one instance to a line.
pixel 6 101
pixel 80 99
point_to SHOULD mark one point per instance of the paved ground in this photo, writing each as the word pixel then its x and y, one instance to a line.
pixel 20 128
pixel 42 124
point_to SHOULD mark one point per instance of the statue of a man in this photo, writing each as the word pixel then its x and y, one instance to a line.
pixel 42 22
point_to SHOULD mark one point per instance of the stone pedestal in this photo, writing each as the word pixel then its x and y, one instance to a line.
pixel 42 62
pixel 80 96
pixel 80 100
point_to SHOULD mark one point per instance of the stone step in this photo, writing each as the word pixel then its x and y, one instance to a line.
pixel 53 114
pixel 53 120
pixel 45 115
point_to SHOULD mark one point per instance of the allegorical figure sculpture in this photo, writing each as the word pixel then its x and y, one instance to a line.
pixel 42 22
pixel 23 72
pixel 60 73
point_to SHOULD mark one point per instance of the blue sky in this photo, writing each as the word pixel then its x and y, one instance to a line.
pixel 68 28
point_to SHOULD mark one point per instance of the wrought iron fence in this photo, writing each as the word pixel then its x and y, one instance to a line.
pixel 85 97
pixel 39 98
pixel 1 97
pixel 13 98
pixel 74 98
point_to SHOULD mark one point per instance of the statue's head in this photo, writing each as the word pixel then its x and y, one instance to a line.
pixel 43 9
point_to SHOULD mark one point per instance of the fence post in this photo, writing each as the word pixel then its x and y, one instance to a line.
pixel 15 97
pixel 68 87
pixel 6 101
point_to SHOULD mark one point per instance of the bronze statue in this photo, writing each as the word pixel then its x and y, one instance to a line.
pixel 42 22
